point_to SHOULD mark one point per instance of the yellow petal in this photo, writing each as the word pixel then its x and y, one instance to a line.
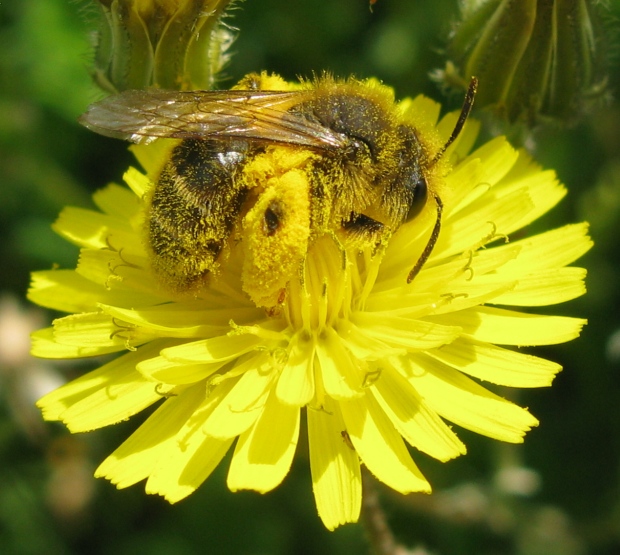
pixel 172 320
pixel 117 201
pixel 362 346
pixel 225 347
pixel 138 182
pixel 496 365
pixel 340 372
pixel 434 282
pixel 545 288
pixel 63 290
pixel 44 345
pixel 95 329
pixel 462 401
pixel 295 385
pixel 126 271
pixel 245 402
pixel 335 468
pixel 105 396
pixel 421 108
pixel 524 167
pixel 478 173
pixel 465 139
pixel 419 425
pixel 160 369
pixel 94 230
pixel 464 183
pixel 191 457
pixel 461 301
pixel 544 190
pixel 547 251
pixel 192 317
pixel 137 457
pixel 411 334
pixel 470 181
pixel 479 223
pixel 200 454
pixel 151 157
pixel 508 327
pixel 380 446
pixel 264 453
pixel 68 291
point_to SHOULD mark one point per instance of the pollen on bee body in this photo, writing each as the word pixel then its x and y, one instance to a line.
pixel 276 230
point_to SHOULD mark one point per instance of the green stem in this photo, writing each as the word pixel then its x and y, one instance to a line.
pixel 378 531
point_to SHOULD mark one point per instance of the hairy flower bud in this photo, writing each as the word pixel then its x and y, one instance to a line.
pixel 534 59
pixel 170 44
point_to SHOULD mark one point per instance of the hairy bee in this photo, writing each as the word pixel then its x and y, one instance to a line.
pixel 276 168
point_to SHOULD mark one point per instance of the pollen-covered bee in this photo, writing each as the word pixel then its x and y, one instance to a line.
pixel 276 167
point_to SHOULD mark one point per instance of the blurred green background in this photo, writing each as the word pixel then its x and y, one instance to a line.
pixel 558 494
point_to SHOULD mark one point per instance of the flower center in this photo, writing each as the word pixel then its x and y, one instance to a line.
pixel 335 282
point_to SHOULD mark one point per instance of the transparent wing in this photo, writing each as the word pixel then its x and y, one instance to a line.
pixel 142 116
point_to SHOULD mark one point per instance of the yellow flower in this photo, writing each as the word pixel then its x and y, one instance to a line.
pixel 376 362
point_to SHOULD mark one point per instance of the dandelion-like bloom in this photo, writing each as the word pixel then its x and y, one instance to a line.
pixel 378 363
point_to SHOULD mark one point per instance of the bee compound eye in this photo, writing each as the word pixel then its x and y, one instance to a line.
pixel 419 191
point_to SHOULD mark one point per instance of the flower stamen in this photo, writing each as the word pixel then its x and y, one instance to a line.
pixel 494 236
pixel 468 268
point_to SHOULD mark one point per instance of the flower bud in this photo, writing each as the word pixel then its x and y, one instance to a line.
pixel 534 59
pixel 170 44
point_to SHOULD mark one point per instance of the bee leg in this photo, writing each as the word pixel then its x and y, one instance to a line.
pixel 431 242
pixel 362 225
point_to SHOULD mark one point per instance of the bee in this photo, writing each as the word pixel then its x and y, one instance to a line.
pixel 275 169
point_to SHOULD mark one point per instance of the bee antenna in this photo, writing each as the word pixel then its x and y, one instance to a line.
pixel 465 110
pixel 430 245
pixel 432 240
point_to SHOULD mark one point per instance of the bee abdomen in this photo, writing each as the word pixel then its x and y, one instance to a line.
pixel 194 206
